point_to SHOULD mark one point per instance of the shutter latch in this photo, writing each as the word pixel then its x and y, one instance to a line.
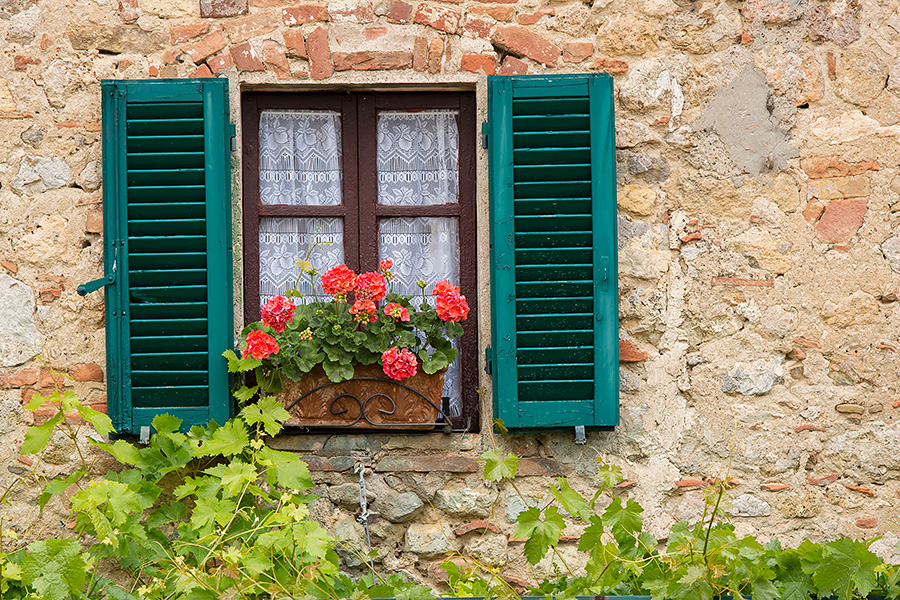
pixel 92 286
pixel 579 435
pixel 488 360
pixel 145 435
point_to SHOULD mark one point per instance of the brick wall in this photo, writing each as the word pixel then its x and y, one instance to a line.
pixel 759 240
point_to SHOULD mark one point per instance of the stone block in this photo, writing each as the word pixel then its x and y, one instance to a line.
pixel 522 42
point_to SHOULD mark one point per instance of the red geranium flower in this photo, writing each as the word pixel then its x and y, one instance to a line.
pixel 370 286
pixel 278 312
pixel 444 287
pixel 452 307
pixel 392 309
pixel 385 265
pixel 338 281
pixel 399 365
pixel 259 345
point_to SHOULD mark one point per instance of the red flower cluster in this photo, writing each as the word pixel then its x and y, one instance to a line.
pixel 364 311
pixel 392 309
pixel 370 286
pixel 399 365
pixel 338 281
pixel 278 312
pixel 451 305
pixel 385 267
pixel 259 345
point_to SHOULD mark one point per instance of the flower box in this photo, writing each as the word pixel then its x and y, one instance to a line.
pixel 369 400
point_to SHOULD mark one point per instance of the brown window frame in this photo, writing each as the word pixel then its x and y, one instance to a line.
pixel 360 209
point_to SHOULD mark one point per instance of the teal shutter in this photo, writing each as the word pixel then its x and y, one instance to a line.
pixel 167 227
pixel 554 309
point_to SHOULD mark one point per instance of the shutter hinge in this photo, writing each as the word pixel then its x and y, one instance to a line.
pixel 145 435
pixel 484 134
pixel 580 439
pixel 488 360
pixel 232 130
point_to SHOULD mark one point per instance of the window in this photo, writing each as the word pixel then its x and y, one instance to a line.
pixel 378 176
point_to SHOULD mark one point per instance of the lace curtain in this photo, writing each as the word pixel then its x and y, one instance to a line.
pixel 418 157
pixel 284 240
pixel 300 157
pixel 424 248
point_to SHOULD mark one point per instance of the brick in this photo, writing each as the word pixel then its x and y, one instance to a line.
pixel 796 354
pixel 691 237
pixel 476 27
pixel 46 41
pixel 841 220
pixel 519 584
pixel 87 372
pixel 373 33
pixel 306 13
pixel 867 522
pixel 420 54
pixel 123 64
pixel 442 19
pixel 501 13
pixel 168 72
pixel 244 28
pixel 813 211
pixel 883 346
pixel 832 64
pixel 170 56
pixel 396 11
pixel 9 266
pixel 425 464
pixel 179 35
pixel 831 188
pixel 746 38
pixel 613 66
pixel 206 46
pixel 293 41
pixel 220 62
pixel 48 379
pixel 265 3
pixel 822 481
pixel 577 51
pixel 521 42
pixel 628 352
pixel 861 490
pixel 320 66
pixel 624 485
pixel 479 63
pixel 476 526
pixel 807 343
pixel 774 487
pixel 372 61
pixel 542 467
pixel 222 8
pixel 435 54
pixel 48 295
pixel 361 13
pixel 62 280
pixel 741 281
pixel 201 71
pixel 22 377
pixel 26 395
pixel 129 11
pixel 512 66
pixel 532 18
pixel 245 58
pixel 808 427
pixel 20 63
pixel 684 483
pixel 821 167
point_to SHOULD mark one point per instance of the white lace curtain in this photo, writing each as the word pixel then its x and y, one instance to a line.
pixel 418 157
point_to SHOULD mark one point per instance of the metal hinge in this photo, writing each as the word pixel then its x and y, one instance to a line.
pixel 232 130
pixel 488 360
pixel 484 134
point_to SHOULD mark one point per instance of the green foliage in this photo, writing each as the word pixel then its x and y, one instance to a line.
pixel 499 466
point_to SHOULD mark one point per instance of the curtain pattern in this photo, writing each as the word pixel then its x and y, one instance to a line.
pixel 418 157
pixel 300 157
pixel 424 248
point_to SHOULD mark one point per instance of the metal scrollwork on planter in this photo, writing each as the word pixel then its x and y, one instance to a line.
pixel 367 401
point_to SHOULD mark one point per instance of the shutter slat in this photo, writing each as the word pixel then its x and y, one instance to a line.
pixel 553 246
pixel 167 195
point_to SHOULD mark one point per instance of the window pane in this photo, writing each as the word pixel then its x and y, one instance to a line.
pixel 418 157
pixel 300 157
pixel 285 240
pixel 424 248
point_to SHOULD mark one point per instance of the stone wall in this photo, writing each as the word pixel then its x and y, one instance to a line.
pixel 759 240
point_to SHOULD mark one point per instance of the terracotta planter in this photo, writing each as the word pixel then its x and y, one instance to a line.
pixel 371 400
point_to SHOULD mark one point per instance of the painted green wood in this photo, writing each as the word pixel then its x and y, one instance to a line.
pixel 167 203
pixel 553 251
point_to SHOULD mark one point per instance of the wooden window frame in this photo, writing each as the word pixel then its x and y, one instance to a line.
pixel 360 209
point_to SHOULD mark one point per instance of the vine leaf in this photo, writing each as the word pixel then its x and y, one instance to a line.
pixel 498 466
pixel 56 568
pixel 540 534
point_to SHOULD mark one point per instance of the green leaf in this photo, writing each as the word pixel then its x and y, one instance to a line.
pixel 233 477
pixel 624 521
pixel 245 394
pixel 290 472
pixel 268 412
pixel 498 466
pixel 540 534
pixel 336 371
pixel 592 535
pixel 570 500
pixel 847 569
pixel 166 423
pixel 435 363
pixel 36 438
pixel 38 400
pixel 55 568
pixel 229 439
pixel 122 451
pixel 454 330
pixel 240 365
pixel 100 421
pixel 58 486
